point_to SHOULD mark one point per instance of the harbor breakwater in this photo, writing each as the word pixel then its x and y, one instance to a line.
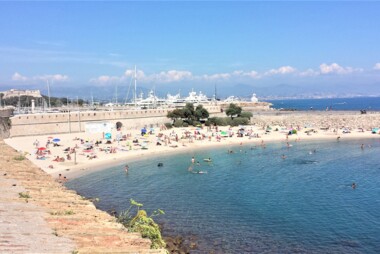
pixel 318 119
pixel 71 122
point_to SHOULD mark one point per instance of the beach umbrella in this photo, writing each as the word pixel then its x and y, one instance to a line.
pixel 56 140
pixel 107 135
pixel 41 148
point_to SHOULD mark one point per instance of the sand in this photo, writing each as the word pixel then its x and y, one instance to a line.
pixel 81 162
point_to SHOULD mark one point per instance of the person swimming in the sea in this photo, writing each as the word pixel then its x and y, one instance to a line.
pixel 200 172
pixel 207 160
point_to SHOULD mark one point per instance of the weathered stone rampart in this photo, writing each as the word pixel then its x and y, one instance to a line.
pixel 318 119
pixel 55 123
pixel 4 127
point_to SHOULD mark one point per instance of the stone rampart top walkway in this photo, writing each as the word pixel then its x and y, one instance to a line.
pixel 49 218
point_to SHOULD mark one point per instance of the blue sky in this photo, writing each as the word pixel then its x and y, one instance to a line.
pixel 182 44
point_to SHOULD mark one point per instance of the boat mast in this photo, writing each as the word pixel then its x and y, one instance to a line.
pixel 215 96
pixel 135 87
pixel 48 87
pixel 19 103
pixel 116 95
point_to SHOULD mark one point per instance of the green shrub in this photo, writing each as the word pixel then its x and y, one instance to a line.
pixel 239 121
pixel 178 123
pixel 246 114
pixel 23 195
pixel 143 224
pixel 196 123
pixel 185 124
pixel 19 158
pixel 168 125
pixel 220 121
pixel 189 122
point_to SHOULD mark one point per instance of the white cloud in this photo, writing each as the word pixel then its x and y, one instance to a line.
pixel 335 68
pixel 217 76
pixel 185 75
pixel 377 66
pixel 251 74
pixel 172 76
pixel 104 79
pixel 54 77
pixel 140 75
pixel 234 74
pixel 162 77
pixel 18 77
pixel 281 70
pixel 309 73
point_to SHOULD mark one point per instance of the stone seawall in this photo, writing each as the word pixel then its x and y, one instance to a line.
pixel 6 112
pixel 4 127
pixel 316 119
pixel 70 122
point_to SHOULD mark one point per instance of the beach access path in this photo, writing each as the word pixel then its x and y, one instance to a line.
pixel 39 215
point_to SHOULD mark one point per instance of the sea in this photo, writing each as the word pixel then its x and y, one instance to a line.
pixel 358 103
pixel 272 199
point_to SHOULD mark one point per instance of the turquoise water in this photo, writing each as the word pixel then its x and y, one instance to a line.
pixel 369 104
pixel 253 201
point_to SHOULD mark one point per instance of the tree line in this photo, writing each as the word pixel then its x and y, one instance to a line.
pixel 26 101
pixel 190 115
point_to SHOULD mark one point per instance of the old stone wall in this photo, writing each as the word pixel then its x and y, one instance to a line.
pixel 317 119
pixel 6 112
pixel 4 127
pixel 55 123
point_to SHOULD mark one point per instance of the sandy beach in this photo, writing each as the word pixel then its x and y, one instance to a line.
pixel 82 153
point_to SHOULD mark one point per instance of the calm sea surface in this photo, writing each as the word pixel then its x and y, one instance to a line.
pixel 253 201
pixel 370 103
